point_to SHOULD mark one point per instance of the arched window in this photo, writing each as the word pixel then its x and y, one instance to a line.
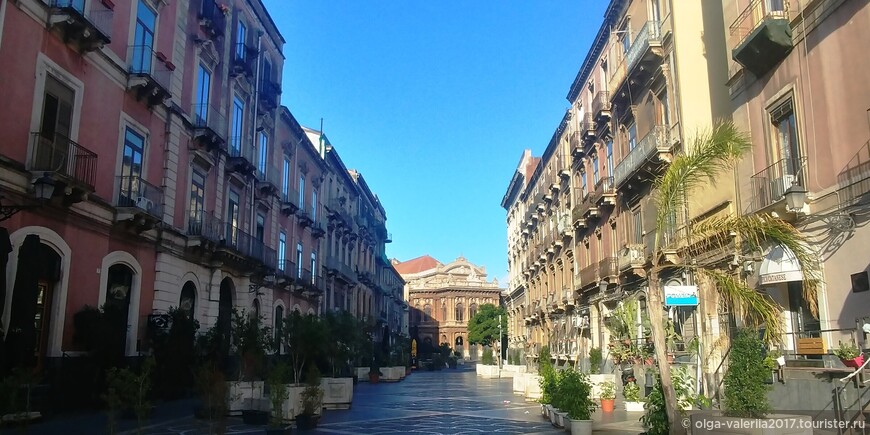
pixel 187 302
pixel 472 310
pixel 255 311
pixel 460 312
pixel 427 312
pixel 117 306
pixel 443 311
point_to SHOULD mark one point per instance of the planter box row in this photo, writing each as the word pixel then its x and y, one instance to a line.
pixel 251 396
pixel 560 419
pixel 388 374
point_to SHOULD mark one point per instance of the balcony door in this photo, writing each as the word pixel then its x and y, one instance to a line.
pixel 788 143
pixel 143 38
pixel 131 169
pixel 238 127
pixel 55 126
pixel 202 96
pixel 197 202
pixel 233 206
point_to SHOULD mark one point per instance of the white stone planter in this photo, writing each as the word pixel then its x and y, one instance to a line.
pixel 533 387
pixel 293 404
pixel 596 381
pixel 507 374
pixel 400 370
pixel 581 427
pixel 391 374
pixel 519 384
pixel 362 374
pixel 560 418
pixel 241 394
pixel 702 423
pixel 487 372
pixel 337 392
pixel 634 406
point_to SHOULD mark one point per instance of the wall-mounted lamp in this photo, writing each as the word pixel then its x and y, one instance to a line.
pixel 795 198
pixel 603 285
pixel 43 189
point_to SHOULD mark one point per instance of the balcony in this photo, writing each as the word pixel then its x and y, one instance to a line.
pixel 267 180
pixel 139 203
pixel 648 156
pixel 317 230
pixel 578 214
pixel 388 238
pixel 632 257
pixel 213 19
pixel 269 95
pixel 241 155
pixel 304 216
pixel 244 251
pixel 89 29
pixel 576 146
pixel 341 270
pixel 608 269
pixel 308 283
pixel 568 298
pixel 589 276
pixel 638 64
pixel 289 196
pixel 244 60
pixel 604 193
pixel 72 166
pixel 204 230
pixel 760 37
pixel 587 128
pixel 601 108
pixel 209 127
pixel 769 185
pixel 286 272
pixel 150 75
pixel 588 208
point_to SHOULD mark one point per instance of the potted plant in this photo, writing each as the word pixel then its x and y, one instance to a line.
pixel 375 371
pixel 548 384
pixel 312 399
pixel 577 401
pixel 213 390
pixel 278 394
pixel 128 392
pixel 631 392
pixel 608 396
pixel 849 354
pixel 595 358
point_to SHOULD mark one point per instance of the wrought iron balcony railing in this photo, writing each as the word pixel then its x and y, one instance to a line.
pixel 150 74
pixel 655 141
pixel 210 119
pixel 212 18
pixel 769 185
pixel 133 191
pixel 854 179
pixel 58 154
pixel 90 28
pixel 205 225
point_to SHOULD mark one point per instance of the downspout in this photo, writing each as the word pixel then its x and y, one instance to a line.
pixel 256 95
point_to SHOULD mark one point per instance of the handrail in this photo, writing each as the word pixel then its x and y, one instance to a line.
pixel 858 370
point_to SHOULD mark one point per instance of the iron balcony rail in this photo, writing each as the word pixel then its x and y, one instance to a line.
pixel 248 245
pixel 99 15
pixel 240 147
pixel 263 253
pixel 244 56
pixel 213 17
pixel 632 255
pixel 289 195
pixel 287 269
pixel 602 187
pixel 133 191
pixel 268 174
pixel 589 275
pixel 608 268
pixel 769 184
pixel 270 93
pixel 588 126
pixel 310 280
pixel 205 225
pixel 655 141
pixel 58 154
pixel 754 14
pixel 206 116
pixel 338 209
pixel 145 62
pixel 854 179
pixel 649 32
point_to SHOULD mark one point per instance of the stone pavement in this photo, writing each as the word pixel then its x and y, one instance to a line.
pixel 445 402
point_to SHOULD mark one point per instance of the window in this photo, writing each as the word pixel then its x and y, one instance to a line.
pixel 279 326
pixel 625 38
pixel 261 227
pixel 301 191
pixel 241 39
pixel 299 260
pixel 787 141
pixel 609 147
pixel 583 181
pixel 197 201
pixel 472 311
pixel 460 313
pixel 314 205
pixel 267 71
pixel 666 109
pixel 443 312
pixel 427 312
pixel 595 174
pixel 282 247
pixel 57 109
pixel 313 267
pixel 143 38
pixel 285 181
pixel 131 169
pixel 233 217
pixel 632 136
pixel 238 127
pixel 638 226
pixel 263 158
pixel 202 94
pixel 187 302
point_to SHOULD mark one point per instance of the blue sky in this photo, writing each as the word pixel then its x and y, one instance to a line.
pixel 434 102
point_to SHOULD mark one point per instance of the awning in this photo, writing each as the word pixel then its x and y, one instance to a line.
pixel 779 265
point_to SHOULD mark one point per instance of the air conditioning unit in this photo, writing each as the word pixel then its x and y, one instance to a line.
pixel 144 203
pixel 778 186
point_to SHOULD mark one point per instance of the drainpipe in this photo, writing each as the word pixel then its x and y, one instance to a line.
pixel 256 162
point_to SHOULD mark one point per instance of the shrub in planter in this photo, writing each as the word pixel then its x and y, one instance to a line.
pixel 631 392
pixel 487 358
pixel 128 391
pixel 213 390
pixel 849 355
pixel 548 382
pixel 608 395
pixel 278 394
pixel 595 359
pixel 745 387
pixel 577 400
pixel 312 400
pixel 655 418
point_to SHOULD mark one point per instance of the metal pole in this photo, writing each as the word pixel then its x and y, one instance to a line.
pixel 499 343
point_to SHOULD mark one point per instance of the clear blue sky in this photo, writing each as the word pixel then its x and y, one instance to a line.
pixel 434 102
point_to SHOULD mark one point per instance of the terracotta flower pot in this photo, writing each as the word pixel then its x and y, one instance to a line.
pixel 374 378
pixel 607 405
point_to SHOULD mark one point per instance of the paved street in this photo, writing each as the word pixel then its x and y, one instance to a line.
pixel 445 402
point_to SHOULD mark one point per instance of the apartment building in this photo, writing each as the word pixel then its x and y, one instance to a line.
pixel 792 87
pixel 444 297
pixel 581 224
pixel 172 176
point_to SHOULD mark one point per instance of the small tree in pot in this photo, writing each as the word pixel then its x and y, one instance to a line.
pixel 608 395
pixel 577 400
pixel 278 394
pixel 312 399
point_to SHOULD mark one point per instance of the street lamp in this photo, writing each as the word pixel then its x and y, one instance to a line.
pixel 43 189
pixel 795 198
pixel 603 285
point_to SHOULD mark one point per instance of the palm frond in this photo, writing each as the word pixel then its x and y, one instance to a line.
pixel 710 153
pixel 752 306
pixel 754 233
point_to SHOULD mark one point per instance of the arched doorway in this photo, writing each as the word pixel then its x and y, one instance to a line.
pixel 225 315
pixel 187 302
pixel 119 284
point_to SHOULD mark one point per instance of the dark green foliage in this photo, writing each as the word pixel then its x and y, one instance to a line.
pixel 250 340
pixel 745 387
pixel 544 358
pixel 595 359
pixel 547 372
pixel 483 328
pixel 278 392
pixel 574 395
pixel 303 340
pixel 175 354
pixel 487 358
pixel 655 417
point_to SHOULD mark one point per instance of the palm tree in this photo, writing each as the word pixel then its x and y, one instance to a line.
pixel 676 249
